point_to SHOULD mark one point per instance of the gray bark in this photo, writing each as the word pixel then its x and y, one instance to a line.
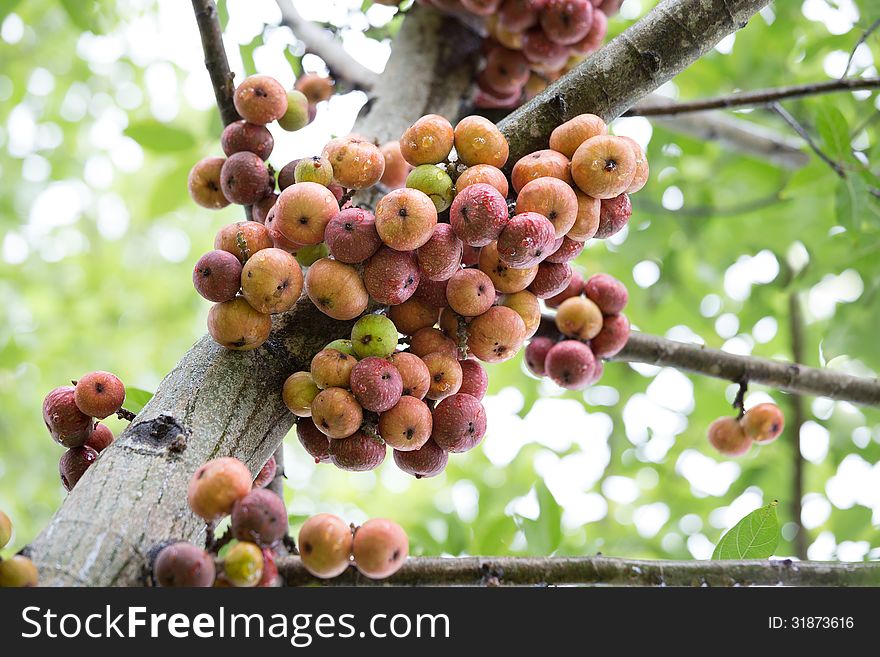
pixel 536 571
pixel 223 403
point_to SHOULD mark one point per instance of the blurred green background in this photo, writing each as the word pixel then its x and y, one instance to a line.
pixel 104 106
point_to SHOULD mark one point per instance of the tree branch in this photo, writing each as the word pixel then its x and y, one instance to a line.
pixel 739 135
pixel 229 404
pixel 790 377
pixel 755 98
pixel 215 58
pixel 873 27
pixel 798 128
pixel 430 71
pixel 535 571
pixel 667 40
pixel 322 43
pixel 225 403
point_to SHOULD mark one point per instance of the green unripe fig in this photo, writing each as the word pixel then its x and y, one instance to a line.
pixel 433 181
pixel 309 255
pixel 243 564
pixel 5 530
pixel 374 335
pixel 315 169
pixel 298 393
pixel 297 115
pixel 345 346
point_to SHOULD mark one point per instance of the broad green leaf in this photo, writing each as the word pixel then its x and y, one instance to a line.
pixel 160 137
pixel 295 62
pixel 754 537
pixel 247 54
pixel 855 206
pixel 136 399
pixel 544 534
pixel 834 131
pixel 87 16
pixel 169 192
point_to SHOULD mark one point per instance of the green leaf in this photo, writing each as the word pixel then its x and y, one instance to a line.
pixel 160 137
pixel 754 537
pixel 295 62
pixel 834 131
pixel 136 399
pixel 544 534
pixel 247 54
pixel 87 16
pixel 854 204
pixel 168 192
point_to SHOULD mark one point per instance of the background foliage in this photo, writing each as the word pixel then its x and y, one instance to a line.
pixel 100 123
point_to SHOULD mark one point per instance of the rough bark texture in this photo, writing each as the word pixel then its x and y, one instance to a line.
pixel 529 571
pixel 430 71
pixel 229 401
pixel 223 403
pixel 226 403
pixel 671 37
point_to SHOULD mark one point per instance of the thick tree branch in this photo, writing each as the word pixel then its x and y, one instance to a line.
pixel 666 41
pixel 431 70
pixel 224 403
pixel 215 58
pixel 755 98
pixel 533 571
pixel 228 403
pixel 322 43
pixel 790 377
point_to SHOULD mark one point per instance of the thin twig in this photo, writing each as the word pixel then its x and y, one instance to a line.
pixel 798 128
pixel 739 403
pixel 755 98
pixel 277 487
pixel 215 58
pixel 861 40
pixel 125 414
pixel 214 545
